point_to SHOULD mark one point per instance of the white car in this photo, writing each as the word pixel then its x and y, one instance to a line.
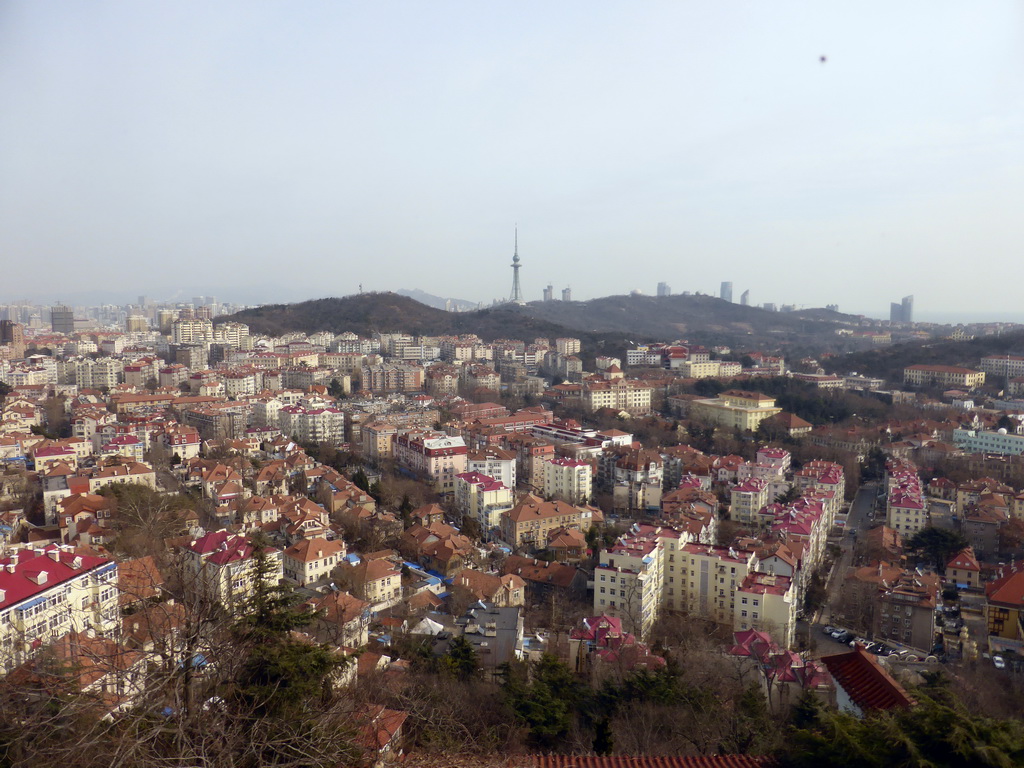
pixel 999 662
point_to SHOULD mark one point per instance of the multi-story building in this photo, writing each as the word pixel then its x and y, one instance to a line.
pixel 436 455
pixel 312 425
pixel 494 462
pixel 310 561
pixel 767 602
pixel 628 395
pixel 62 320
pixel 747 499
pixel 943 376
pixel 223 567
pixel 709 576
pixel 906 509
pixel 628 581
pixel 528 523
pixel 392 378
pixel 191 331
pixel 735 409
pixel 569 480
pixel 1000 441
pixel 483 498
pixel 48 592
pixel 378 439
pixel 568 346
pixel 377 581
pixel 905 610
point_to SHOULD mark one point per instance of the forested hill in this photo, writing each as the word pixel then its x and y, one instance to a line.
pixel 367 313
pixel 889 362
pixel 612 320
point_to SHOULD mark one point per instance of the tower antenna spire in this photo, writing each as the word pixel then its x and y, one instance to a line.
pixel 517 294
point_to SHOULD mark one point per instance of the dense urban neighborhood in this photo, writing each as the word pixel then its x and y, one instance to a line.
pixel 333 548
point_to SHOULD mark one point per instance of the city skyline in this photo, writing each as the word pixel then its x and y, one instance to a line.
pixel 221 146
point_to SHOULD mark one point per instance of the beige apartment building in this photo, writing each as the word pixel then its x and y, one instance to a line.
pixel 735 409
pixel 528 523
pixel 943 376
pixel 569 480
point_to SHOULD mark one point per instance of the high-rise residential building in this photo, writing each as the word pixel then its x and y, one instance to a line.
pixel 726 292
pixel 549 293
pixel 62 320
pixel 165 318
pixel 14 334
pixel 136 324
pixel 903 312
pixel 745 298
pixel 664 289
pixel 567 293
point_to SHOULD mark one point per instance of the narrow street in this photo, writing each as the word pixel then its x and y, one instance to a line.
pixel 857 522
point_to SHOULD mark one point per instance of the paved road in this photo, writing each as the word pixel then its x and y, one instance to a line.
pixel 857 522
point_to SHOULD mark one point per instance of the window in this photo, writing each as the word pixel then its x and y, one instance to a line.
pixel 744 601
pixel 743 614
pixel 755 614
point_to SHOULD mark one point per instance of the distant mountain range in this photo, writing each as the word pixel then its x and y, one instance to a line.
pixel 610 323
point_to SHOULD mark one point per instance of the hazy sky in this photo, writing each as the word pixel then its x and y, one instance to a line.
pixel 287 150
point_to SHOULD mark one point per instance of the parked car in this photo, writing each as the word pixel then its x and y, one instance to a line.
pixel 844 637
pixel 999 662
pixel 829 629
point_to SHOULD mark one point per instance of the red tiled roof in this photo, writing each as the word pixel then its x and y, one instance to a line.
pixel 866 682
pixel 652 761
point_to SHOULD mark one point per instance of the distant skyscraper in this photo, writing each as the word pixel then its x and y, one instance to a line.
pixel 14 334
pixel 726 294
pixel 664 290
pixel 143 301
pixel 745 298
pixel 567 293
pixel 62 320
pixel 549 293
pixel 902 312
pixel 517 293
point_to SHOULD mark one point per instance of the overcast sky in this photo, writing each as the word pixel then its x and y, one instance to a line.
pixel 288 150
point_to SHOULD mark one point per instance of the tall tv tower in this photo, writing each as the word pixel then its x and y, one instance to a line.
pixel 517 293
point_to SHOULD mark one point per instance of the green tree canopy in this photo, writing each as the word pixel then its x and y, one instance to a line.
pixel 938 545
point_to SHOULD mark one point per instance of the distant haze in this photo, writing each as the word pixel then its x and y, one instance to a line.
pixel 278 151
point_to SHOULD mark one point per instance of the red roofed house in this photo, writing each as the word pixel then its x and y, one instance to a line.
pixel 1004 606
pixel 223 566
pixel 964 570
pixel 375 580
pixel 310 561
pixel 862 685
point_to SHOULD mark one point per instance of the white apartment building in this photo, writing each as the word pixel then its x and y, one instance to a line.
pixel 747 499
pixel 222 566
pixel 191 331
pixel 482 498
pixel 494 462
pixel 48 592
pixel 768 603
pixel 312 425
pixel 978 441
pixel 568 479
